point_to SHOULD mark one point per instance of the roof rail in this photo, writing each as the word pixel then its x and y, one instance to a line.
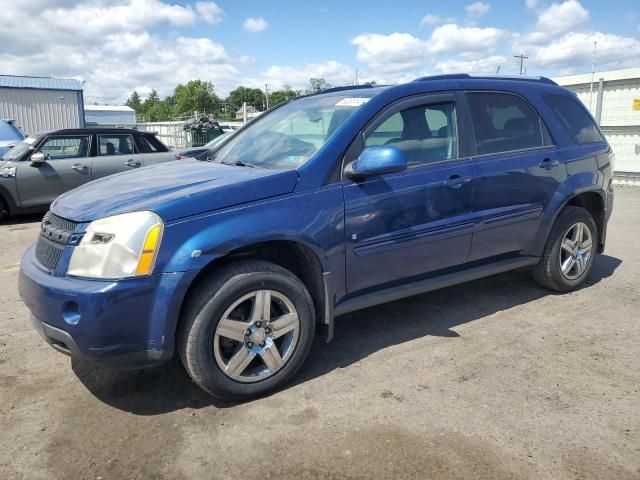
pixel 466 76
pixel 346 87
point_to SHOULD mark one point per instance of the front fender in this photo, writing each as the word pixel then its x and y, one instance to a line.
pixel 313 218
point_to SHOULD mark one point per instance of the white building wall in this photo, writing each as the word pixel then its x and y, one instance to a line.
pixel 619 121
pixel 41 110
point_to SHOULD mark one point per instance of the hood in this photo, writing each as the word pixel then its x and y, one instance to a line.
pixel 173 190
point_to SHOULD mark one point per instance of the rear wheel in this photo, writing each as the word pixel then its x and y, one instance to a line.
pixel 4 212
pixel 246 330
pixel 570 251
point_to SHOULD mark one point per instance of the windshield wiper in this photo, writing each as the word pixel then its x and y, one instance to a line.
pixel 239 163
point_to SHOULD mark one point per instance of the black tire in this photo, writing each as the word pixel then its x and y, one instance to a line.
pixel 204 311
pixel 548 273
pixel 4 211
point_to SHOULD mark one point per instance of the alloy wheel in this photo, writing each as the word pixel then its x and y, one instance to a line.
pixel 256 336
pixel 576 251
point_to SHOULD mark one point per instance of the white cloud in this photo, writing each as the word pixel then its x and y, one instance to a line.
pixel 531 3
pixel 112 45
pixel 210 12
pixel 560 18
pixel 574 51
pixel 452 38
pixel 477 9
pixel 429 20
pixel 298 75
pixel 394 52
pixel 484 66
pixel 254 25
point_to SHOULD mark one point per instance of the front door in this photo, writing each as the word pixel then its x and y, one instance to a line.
pixel 518 172
pixel 67 166
pixel 417 221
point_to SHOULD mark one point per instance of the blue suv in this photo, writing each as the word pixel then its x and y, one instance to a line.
pixel 326 204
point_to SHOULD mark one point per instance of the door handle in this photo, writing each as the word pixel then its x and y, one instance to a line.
pixel 456 181
pixel 548 164
pixel 133 163
pixel 79 167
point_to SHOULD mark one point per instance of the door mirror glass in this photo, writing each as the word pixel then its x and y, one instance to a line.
pixel 377 160
pixel 38 158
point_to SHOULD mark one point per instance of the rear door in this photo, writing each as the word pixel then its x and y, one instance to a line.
pixel 151 150
pixel 518 171
pixel 115 153
pixel 405 224
pixel 67 166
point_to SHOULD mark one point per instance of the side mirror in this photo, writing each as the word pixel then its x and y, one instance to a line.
pixel 377 160
pixel 37 159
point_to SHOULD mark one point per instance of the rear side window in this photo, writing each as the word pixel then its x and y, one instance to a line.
pixel 503 123
pixel 115 145
pixel 144 145
pixel 575 118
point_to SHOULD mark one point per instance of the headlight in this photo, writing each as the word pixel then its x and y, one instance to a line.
pixel 119 246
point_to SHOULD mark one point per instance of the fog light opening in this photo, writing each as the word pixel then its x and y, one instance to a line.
pixel 71 313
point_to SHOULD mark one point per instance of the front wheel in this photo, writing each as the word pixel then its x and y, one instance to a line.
pixel 570 251
pixel 246 330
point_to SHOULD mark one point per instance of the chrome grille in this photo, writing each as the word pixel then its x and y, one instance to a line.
pixel 50 246
pixel 48 253
pixel 60 222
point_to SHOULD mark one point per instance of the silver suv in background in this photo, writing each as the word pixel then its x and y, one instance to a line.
pixel 9 136
pixel 40 168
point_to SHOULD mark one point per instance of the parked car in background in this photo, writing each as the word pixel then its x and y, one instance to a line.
pixel 9 136
pixel 40 168
pixel 326 204
pixel 196 151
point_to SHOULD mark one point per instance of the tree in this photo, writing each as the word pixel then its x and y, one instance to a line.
pixel 318 85
pixel 134 102
pixel 284 95
pixel 253 96
pixel 196 95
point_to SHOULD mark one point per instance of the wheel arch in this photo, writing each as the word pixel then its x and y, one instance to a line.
pixel 297 257
pixel 591 200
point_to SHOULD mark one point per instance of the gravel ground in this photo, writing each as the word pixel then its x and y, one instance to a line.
pixel 493 379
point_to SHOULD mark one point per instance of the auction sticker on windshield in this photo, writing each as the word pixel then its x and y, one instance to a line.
pixel 352 102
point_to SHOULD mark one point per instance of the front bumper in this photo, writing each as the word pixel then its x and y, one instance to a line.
pixel 126 324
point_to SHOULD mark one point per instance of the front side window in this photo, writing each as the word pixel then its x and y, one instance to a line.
pixel 425 133
pixel 115 145
pixel 575 119
pixel 288 136
pixel 60 148
pixel 503 123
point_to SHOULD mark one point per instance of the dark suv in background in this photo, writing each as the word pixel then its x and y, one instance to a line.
pixel 41 167
pixel 326 204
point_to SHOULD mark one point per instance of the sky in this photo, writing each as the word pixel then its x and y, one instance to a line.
pixel 118 46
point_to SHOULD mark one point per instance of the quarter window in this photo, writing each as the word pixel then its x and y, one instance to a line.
pixel 58 148
pixel 503 123
pixel 575 119
pixel 115 145
pixel 425 133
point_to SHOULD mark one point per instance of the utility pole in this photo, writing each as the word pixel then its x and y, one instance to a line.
pixel 593 74
pixel 356 83
pixel 266 94
pixel 522 57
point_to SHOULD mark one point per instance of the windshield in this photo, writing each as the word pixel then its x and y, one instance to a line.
pixel 217 140
pixel 289 135
pixel 16 152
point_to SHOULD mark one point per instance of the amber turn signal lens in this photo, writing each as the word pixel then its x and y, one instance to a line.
pixel 151 242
